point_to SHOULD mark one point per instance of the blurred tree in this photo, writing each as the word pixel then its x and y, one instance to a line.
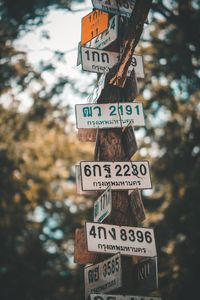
pixel 171 95
pixel 38 151
pixel 38 209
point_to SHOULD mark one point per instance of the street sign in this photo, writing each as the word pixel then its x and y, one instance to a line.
pixel 119 175
pixel 93 24
pixel 138 65
pixel 103 277
pixel 146 275
pixel 106 238
pixel 137 206
pixel 120 297
pixel 81 253
pixel 99 61
pixel 109 115
pixel 122 8
pixel 107 37
pixel 78 183
pixel 129 142
pixel 93 98
pixel 103 206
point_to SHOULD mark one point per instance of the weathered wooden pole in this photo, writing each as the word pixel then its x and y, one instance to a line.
pixel 119 89
pixel 110 148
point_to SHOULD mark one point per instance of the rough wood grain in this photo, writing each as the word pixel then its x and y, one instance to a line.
pixel 109 147
pixel 136 22
pixel 81 254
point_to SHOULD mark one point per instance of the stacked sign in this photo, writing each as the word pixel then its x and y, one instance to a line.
pixel 100 30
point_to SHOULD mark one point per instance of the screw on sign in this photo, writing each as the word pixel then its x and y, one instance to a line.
pixel 93 24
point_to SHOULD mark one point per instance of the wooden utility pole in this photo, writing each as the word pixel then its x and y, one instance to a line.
pixel 118 88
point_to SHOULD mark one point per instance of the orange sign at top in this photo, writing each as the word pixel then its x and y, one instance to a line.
pixel 93 24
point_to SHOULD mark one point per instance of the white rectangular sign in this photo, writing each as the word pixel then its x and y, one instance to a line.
pixel 103 206
pixel 119 175
pixel 107 37
pixel 99 61
pixel 122 8
pixel 109 115
pixel 120 297
pixel 106 238
pixel 103 277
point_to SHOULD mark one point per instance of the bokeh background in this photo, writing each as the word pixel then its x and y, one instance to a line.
pixel 39 86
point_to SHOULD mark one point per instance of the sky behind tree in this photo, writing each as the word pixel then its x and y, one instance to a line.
pixel 61 31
